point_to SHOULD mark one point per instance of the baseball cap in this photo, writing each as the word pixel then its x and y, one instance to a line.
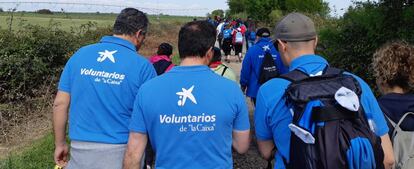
pixel 295 27
pixel 263 32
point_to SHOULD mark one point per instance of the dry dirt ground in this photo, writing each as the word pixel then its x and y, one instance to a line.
pixel 252 159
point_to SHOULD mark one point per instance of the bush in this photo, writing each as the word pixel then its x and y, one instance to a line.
pixel 351 42
pixel 275 16
pixel 29 58
pixel 45 11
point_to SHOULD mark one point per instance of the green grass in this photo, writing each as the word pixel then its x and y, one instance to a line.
pixel 38 155
pixel 68 20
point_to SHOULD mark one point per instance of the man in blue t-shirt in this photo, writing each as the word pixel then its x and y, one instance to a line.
pixel 98 85
pixel 192 116
pixel 296 38
pixel 252 62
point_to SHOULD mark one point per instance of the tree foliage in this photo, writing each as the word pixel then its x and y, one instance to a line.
pixel 308 6
pixel 45 11
pixel 217 12
pixel 351 43
pixel 262 9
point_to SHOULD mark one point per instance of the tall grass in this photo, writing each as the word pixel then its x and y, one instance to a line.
pixel 38 155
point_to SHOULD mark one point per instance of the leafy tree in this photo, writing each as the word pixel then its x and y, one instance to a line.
pixel 218 12
pixel 45 11
pixel 308 6
pixel 1 10
pixel 262 9
pixel 237 6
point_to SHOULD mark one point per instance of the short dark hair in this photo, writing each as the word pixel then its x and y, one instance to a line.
pixel 165 49
pixel 130 21
pixel 196 38
pixel 217 55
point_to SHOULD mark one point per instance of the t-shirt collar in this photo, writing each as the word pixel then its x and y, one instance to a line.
pixel 309 64
pixel 196 68
pixel 119 41
pixel 264 39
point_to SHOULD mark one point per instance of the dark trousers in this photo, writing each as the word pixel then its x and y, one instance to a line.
pixel 220 41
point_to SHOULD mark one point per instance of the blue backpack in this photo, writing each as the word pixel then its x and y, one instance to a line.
pixel 227 34
pixel 252 36
pixel 326 135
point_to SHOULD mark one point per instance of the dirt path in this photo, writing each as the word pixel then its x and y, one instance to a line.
pixel 252 159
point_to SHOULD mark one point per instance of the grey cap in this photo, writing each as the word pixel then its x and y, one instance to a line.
pixel 295 27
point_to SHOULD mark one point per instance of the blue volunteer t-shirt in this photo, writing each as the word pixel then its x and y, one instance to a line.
pixel 103 80
pixel 189 114
pixel 272 115
pixel 252 64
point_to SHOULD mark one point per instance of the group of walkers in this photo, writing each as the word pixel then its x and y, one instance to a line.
pixel 232 34
pixel 308 115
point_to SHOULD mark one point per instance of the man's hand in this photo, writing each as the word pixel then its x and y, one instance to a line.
pixel 60 116
pixel 243 89
pixel 61 155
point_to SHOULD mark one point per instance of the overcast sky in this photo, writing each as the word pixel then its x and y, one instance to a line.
pixel 172 7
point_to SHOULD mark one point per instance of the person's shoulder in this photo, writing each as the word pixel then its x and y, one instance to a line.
pixel 274 86
pixel 361 82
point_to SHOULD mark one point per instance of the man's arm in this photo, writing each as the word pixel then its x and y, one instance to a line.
pixel 135 150
pixel 241 141
pixel 60 116
pixel 388 152
pixel 265 148
pixel 372 110
pixel 246 70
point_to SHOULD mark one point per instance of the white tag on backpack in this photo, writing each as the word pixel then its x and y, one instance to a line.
pixel 304 135
pixel 347 99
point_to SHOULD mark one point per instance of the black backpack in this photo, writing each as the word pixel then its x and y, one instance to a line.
pixel 333 139
pixel 161 66
pixel 268 69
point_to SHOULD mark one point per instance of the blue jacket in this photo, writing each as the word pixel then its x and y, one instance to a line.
pixel 272 115
pixel 253 61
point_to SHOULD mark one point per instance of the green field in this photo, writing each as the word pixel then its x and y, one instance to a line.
pixel 68 20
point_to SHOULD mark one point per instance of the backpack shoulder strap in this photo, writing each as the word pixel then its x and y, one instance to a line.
pixel 330 72
pixel 224 70
pixel 403 117
pixel 294 76
pixel 389 119
pixel 397 127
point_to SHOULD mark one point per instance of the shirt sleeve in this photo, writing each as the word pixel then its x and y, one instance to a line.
pixel 65 78
pixel 272 117
pixel 372 109
pixel 241 121
pixel 137 123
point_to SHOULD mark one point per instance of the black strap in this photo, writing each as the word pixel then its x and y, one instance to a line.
pixel 324 114
pixel 297 75
pixel 331 72
pixel 224 71
pixel 294 76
